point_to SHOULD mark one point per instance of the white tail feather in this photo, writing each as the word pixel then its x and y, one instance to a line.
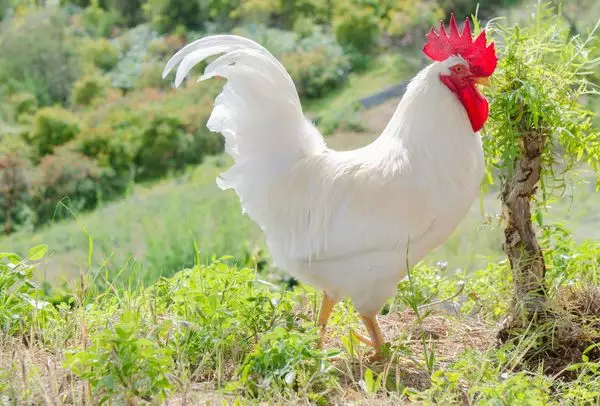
pixel 258 112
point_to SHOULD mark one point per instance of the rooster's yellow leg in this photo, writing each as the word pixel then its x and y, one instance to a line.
pixel 326 308
pixel 375 333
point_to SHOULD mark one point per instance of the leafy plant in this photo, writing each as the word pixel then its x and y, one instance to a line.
pixel 162 148
pixel 166 15
pixel 124 363
pixel 100 53
pixel 134 45
pixel 41 58
pixel 97 21
pixel 20 297
pixel 64 180
pixel 288 361
pixel 53 126
pixel 222 312
pixel 536 122
pixel 25 105
pixel 90 88
pixel 356 27
pixel 14 185
pixel 316 63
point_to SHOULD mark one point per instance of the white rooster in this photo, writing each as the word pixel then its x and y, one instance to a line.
pixel 350 222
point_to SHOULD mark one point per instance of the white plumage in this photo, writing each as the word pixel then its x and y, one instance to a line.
pixel 341 221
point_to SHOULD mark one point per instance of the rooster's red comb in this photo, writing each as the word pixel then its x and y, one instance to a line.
pixel 481 57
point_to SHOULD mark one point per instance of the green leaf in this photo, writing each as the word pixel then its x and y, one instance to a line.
pixel 12 258
pixel 38 252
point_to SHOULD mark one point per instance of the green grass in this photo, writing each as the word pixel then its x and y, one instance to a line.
pixel 384 71
pixel 217 333
pixel 478 239
pixel 155 227
pixel 338 110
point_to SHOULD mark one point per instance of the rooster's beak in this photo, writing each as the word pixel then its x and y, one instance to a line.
pixel 482 81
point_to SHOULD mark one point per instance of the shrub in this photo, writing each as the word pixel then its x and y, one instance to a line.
pixel 315 72
pixel 68 177
pixel 111 148
pixel 90 88
pixel 468 7
pixel 53 126
pixel 42 60
pixel 276 41
pixel 134 47
pixel 356 27
pixel 317 63
pixel 167 15
pixel 24 105
pixel 100 53
pixel 217 327
pixel 130 12
pixel 123 363
pixel 149 133
pixel 14 191
pixel 401 18
pixel 287 361
pixel 257 11
pixel 284 12
pixel 151 77
pixel 164 47
pixel 204 143
pixel 97 21
pixel 163 146
pixel 344 119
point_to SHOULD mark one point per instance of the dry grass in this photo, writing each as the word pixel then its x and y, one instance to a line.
pixel 446 337
pixel 568 330
pixel 32 375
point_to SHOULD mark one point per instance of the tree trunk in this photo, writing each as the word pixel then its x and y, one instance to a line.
pixel 521 245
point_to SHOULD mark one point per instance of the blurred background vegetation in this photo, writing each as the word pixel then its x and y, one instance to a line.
pixel 94 145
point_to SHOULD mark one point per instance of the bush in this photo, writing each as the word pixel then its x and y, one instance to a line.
pixel 403 18
pixel 111 148
pixel 151 77
pixel 224 327
pixel 97 21
pixel 134 47
pixel 317 63
pixel 468 7
pixel 123 363
pixel 314 72
pixel 89 89
pixel 53 126
pixel 100 53
pixel 151 132
pixel 68 177
pixel 357 28
pixel 130 12
pixel 167 15
pixel 38 57
pixel 163 147
pixel 23 103
pixel 14 191
pixel 287 361
pixel 204 143
pixel 163 48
